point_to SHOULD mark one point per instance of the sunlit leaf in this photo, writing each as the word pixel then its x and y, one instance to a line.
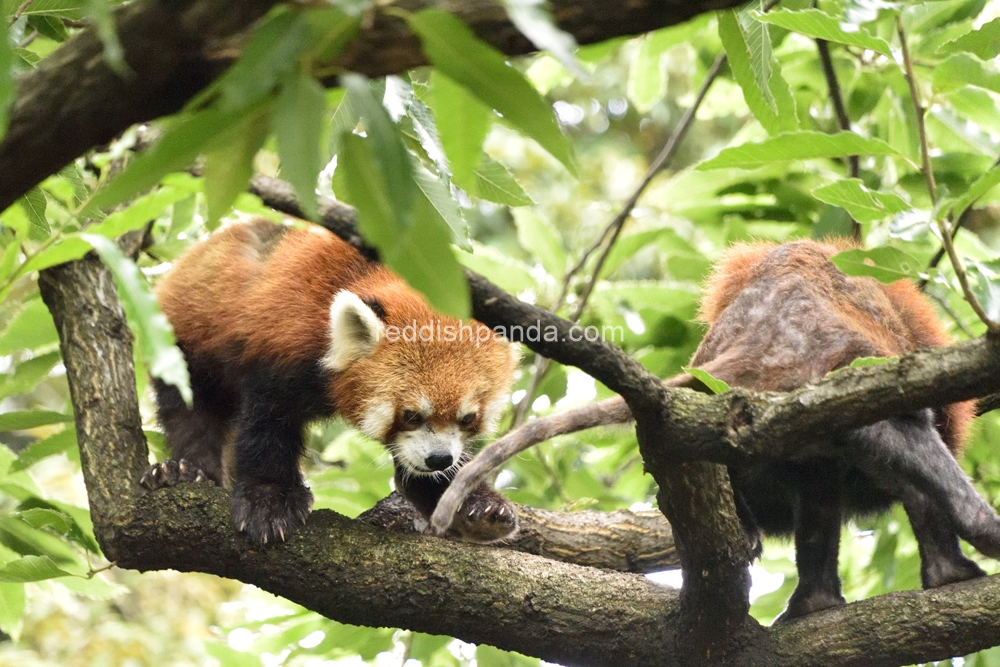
pixel 138 213
pixel 985 285
pixel 42 449
pixel 963 69
pixel 863 204
pixel 458 53
pixel 820 25
pixel 534 19
pixel 494 183
pixel 798 146
pixel 28 374
pixel 30 329
pixel 27 419
pixel 984 42
pixel 715 385
pixel 539 237
pixel 30 568
pixel 979 187
pixel 885 264
pixel 33 203
pixel 462 122
pixel 862 362
pixel 439 196
pixel 11 608
pixel 229 164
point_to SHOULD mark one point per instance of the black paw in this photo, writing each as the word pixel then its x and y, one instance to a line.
pixel 800 605
pixel 171 473
pixel 948 571
pixel 270 512
pixel 485 518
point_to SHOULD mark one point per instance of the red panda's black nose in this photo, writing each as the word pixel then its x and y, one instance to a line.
pixel 438 461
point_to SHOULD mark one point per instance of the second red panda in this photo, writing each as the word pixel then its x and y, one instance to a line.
pixel 283 326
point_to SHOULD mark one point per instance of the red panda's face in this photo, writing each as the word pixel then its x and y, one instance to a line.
pixel 426 394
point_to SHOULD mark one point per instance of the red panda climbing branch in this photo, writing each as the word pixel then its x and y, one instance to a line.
pixel 283 326
pixel 783 316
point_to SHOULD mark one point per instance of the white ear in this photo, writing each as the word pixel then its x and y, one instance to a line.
pixel 355 330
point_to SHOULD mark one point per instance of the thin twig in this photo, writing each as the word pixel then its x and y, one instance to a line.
pixel 943 303
pixel 613 230
pixel 843 120
pixel 20 10
pixel 946 234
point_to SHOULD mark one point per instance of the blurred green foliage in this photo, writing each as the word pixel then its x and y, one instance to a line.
pixel 520 166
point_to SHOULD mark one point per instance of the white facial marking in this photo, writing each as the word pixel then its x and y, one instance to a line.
pixel 467 406
pixel 355 331
pixel 426 408
pixel 492 412
pixel 376 420
pixel 411 448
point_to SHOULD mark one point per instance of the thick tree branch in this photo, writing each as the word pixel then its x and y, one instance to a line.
pixel 74 101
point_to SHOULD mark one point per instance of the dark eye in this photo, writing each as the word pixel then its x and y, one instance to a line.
pixel 467 420
pixel 412 419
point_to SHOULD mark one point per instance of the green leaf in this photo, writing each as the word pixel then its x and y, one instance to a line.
pixel 298 126
pixel 11 255
pixel 984 43
pixel 360 182
pixel 863 204
pixel 818 24
pixel 487 656
pixel 28 374
pixel 49 26
pixel 462 122
pixel 69 9
pixel 229 164
pixel 422 255
pixel 963 69
pixel 41 517
pixel 177 149
pixel 985 285
pixel 885 264
pixel 33 203
pixel 27 419
pixel 979 187
pixel 758 41
pixel 154 334
pixel 494 183
pixel 101 14
pixel 439 195
pixel 270 53
pixel 540 238
pixel 862 362
pixel 139 212
pixel 42 449
pixel 30 568
pixel 773 105
pixel 804 145
pixel 715 385
pixel 499 268
pixel 11 607
pixel 386 149
pixel 30 329
pixel 645 74
pixel 459 54
pixel 330 30
pixel 67 249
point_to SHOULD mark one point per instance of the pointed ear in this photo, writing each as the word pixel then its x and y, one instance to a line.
pixel 355 330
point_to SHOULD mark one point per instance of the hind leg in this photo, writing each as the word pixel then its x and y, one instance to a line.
pixel 195 436
pixel 941 559
pixel 907 453
pixel 818 516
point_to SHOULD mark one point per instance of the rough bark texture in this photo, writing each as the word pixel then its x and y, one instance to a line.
pixel 625 541
pixel 74 101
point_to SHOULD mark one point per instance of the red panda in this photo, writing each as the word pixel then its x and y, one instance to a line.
pixel 783 316
pixel 283 326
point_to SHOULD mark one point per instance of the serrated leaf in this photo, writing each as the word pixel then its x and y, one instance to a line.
pixel 462 122
pixel 439 196
pixel 154 335
pixel 818 24
pixel 963 69
pixel 42 449
pixel 777 117
pixel 33 203
pixel 863 204
pixel 758 41
pixel 49 26
pixel 494 183
pixel 178 148
pixel 27 419
pixel 484 72
pixel 540 238
pixel 885 264
pixel 422 255
pixel 984 42
pixel 30 568
pixel 298 126
pixel 270 53
pixel 798 146
pixel 70 9
pixel 715 385
pixel 30 329
pixel 384 146
pixel 229 164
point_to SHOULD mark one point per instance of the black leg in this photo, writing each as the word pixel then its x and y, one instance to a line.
pixel 907 453
pixel 941 558
pixel 485 516
pixel 818 516
pixel 195 435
